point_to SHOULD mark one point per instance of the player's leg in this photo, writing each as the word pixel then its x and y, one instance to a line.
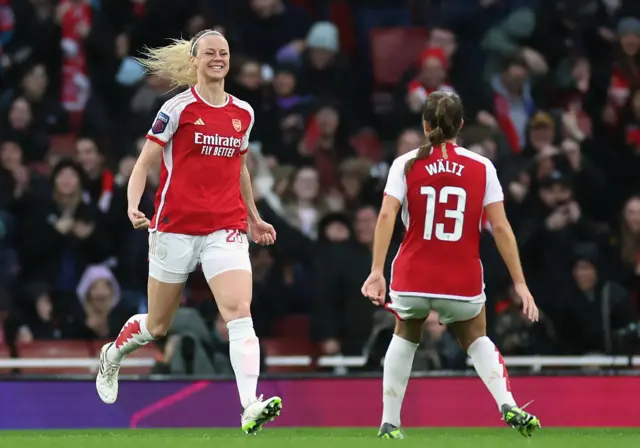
pixel 469 325
pixel 170 261
pixel 410 315
pixel 227 268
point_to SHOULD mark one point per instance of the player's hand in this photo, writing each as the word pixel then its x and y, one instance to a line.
pixel 262 233
pixel 529 307
pixel 138 219
pixel 375 288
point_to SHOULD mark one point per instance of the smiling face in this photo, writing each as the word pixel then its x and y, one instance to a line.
pixel 211 58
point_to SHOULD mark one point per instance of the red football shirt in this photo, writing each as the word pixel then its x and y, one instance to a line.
pixel 443 199
pixel 199 190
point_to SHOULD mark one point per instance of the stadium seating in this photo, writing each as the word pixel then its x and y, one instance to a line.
pixel 393 51
pixel 292 326
pixel 64 352
pixel 287 346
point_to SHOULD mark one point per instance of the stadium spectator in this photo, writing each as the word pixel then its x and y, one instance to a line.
pixel 595 309
pixel 304 204
pixel 627 249
pixel 432 75
pixel 325 144
pixel 286 121
pixel 20 126
pixel 337 299
pixel 438 348
pixel 39 316
pixel 542 133
pixel 547 236
pixel 100 181
pixel 63 233
pixel 513 102
pixel 625 70
pixel 515 335
pixel 356 184
pixel 101 312
pixel 35 88
pixel 409 139
pixel 325 73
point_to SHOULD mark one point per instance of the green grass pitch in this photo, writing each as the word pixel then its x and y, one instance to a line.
pixel 319 438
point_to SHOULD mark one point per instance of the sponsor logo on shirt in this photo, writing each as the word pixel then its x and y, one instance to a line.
pixel 217 145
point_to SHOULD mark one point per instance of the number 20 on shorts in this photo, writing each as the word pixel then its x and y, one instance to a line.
pixel 235 236
pixel 442 197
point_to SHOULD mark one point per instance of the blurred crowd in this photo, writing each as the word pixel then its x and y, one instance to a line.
pixel 551 90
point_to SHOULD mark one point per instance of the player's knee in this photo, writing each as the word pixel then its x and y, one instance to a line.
pixel 410 329
pixel 235 310
pixel 468 337
pixel 158 329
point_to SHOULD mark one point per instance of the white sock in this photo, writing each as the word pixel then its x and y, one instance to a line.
pixel 396 372
pixel 490 366
pixel 244 351
pixel 134 334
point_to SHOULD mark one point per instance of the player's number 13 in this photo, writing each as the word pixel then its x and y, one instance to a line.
pixel 434 198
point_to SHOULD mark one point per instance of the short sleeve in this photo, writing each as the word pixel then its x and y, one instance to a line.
pixel 247 134
pixel 493 191
pixel 164 125
pixel 396 181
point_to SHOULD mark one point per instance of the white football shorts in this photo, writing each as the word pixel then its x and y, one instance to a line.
pixel 173 256
pixel 414 307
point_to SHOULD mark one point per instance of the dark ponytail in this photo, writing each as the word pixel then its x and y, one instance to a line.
pixel 443 113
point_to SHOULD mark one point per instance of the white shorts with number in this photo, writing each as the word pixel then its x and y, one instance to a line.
pixel 173 256
pixel 414 307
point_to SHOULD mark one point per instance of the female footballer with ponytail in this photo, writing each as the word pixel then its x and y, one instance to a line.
pixel 444 192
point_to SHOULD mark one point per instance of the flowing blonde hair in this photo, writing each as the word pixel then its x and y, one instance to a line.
pixel 173 62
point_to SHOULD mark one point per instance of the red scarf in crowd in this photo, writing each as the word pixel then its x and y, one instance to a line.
pixel 106 193
pixel 619 88
pixel 76 18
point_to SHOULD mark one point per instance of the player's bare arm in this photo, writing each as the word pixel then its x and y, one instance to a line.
pixel 151 152
pixel 375 286
pixel 261 232
pixel 508 248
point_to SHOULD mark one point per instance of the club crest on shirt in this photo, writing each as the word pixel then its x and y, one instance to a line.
pixel 160 124
pixel 237 124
